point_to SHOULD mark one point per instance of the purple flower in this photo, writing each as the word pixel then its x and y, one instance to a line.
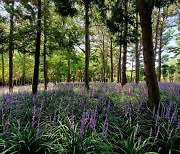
pixel 84 120
pixel 168 110
pixel 34 115
pixel 108 105
pixel 38 125
pixel 105 127
pixel 156 121
pixel 34 96
pixel 157 133
pixel 140 104
pixel 93 92
pixel 131 92
pixel 38 130
pixel 173 117
pixel 93 120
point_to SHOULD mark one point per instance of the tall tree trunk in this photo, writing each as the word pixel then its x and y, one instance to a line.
pixel 103 60
pixel 156 31
pixel 68 71
pixel 131 70
pixel 24 69
pixel 37 52
pixel 111 56
pixel 145 12
pixel 45 48
pixel 87 44
pixel 137 52
pixel 124 58
pixel 45 63
pixel 160 50
pixel 3 81
pixel 119 65
pixel 11 47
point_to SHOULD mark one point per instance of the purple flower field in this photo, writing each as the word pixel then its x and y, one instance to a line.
pixel 107 119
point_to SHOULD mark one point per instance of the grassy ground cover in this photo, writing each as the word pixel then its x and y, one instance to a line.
pixel 108 119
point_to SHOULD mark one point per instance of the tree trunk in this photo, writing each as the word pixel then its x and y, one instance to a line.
pixel 45 61
pixel 145 12
pixel 24 69
pixel 45 64
pixel 11 47
pixel 111 56
pixel 160 52
pixel 68 71
pixel 87 44
pixel 156 31
pixel 103 60
pixel 119 66
pixel 131 71
pixel 45 48
pixel 3 81
pixel 124 58
pixel 37 52
pixel 137 52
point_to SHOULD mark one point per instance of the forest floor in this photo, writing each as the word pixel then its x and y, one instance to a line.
pixel 106 119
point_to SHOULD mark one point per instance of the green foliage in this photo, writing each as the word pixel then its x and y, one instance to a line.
pixel 58 130
pixel 65 7
pixel 165 70
pixel 21 140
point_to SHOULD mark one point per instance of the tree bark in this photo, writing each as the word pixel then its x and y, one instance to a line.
pixel 37 52
pixel 124 57
pixel 3 81
pixel 45 48
pixel 131 70
pixel 137 52
pixel 119 65
pixel 87 44
pixel 145 12
pixel 45 61
pixel 103 60
pixel 111 56
pixel 11 47
pixel 160 51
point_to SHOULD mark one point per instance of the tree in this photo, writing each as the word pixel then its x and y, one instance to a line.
pixel 124 57
pixel 137 49
pixel 111 57
pixel 37 51
pixel 45 44
pixel 3 44
pixel 119 65
pixel 87 43
pixel 145 12
pixel 11 46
